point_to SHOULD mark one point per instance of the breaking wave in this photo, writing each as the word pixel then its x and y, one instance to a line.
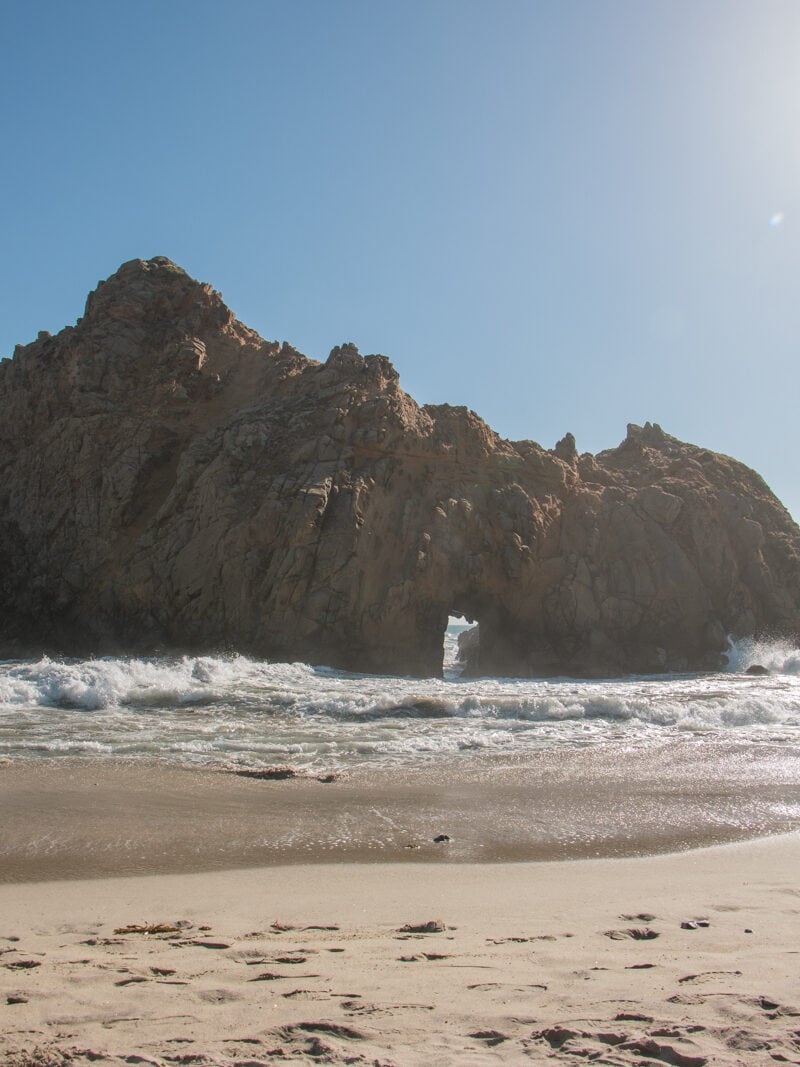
pixel 778 657
pixel 232 709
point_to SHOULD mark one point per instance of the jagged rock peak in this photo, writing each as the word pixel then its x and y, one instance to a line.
pixel 346 358
pixel 345 355
pixel 650 434
pixel 136 273
pixel 565 448
pixel 158 285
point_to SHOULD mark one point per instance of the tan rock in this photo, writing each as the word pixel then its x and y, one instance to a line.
pixel 170 480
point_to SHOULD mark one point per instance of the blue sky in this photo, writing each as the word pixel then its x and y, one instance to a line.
pixel 565 215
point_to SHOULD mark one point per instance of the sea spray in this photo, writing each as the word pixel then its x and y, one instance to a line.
pixel 777 657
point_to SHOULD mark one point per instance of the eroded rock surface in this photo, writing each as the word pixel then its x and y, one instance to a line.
pixel 170 480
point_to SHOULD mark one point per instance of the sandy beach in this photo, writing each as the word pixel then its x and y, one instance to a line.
pixel 685 958
pixel 682 959
pixel 96 818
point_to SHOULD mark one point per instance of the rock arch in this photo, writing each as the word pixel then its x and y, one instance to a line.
pixel 170 480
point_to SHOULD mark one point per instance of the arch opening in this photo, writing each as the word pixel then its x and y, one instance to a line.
pixel 460 645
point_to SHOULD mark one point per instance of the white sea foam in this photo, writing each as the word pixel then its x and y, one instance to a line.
pixel 778 657
pixel 210 709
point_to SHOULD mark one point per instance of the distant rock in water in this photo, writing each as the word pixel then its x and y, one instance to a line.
pixel 171 481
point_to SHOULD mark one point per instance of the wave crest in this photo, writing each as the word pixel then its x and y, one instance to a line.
pixel 238 700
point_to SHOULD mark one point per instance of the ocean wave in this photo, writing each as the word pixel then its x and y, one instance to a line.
pixel 91 685
pixel 778 657
pixel 684 710
pixel 219 710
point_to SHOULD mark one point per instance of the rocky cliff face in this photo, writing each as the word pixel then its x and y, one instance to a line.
pixel 169 480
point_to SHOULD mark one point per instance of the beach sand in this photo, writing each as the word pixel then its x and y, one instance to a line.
pixel 95 818
pixel 686 959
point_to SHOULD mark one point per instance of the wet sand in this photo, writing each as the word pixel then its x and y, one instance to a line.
pixel 686 959
pixel 71 819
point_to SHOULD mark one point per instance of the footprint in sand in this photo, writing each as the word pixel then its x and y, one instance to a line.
pixel 201 944
pixel 218 996
pixel 334 1029
pixel 433 926
pixel 704 975
pixel 357 1007
pixel 579 1043
pixel 774 1010
pixel 339 1030
pixel 308 994
pixel 272 976
pixel 423 956
pixel 150 928
pixel 490 1037
pixel 633 933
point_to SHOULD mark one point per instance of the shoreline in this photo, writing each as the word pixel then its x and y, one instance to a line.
pixel 158 914
pixel 65 817
pixel 686 958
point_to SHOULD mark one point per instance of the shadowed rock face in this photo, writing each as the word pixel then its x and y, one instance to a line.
pixel 169 480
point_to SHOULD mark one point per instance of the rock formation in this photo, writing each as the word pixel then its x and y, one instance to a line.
pixel 171 481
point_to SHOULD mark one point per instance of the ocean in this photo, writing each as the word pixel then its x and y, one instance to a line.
pixel 130 765
pixel 234 712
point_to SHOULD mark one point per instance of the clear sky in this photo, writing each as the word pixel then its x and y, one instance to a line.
pixel 565 214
